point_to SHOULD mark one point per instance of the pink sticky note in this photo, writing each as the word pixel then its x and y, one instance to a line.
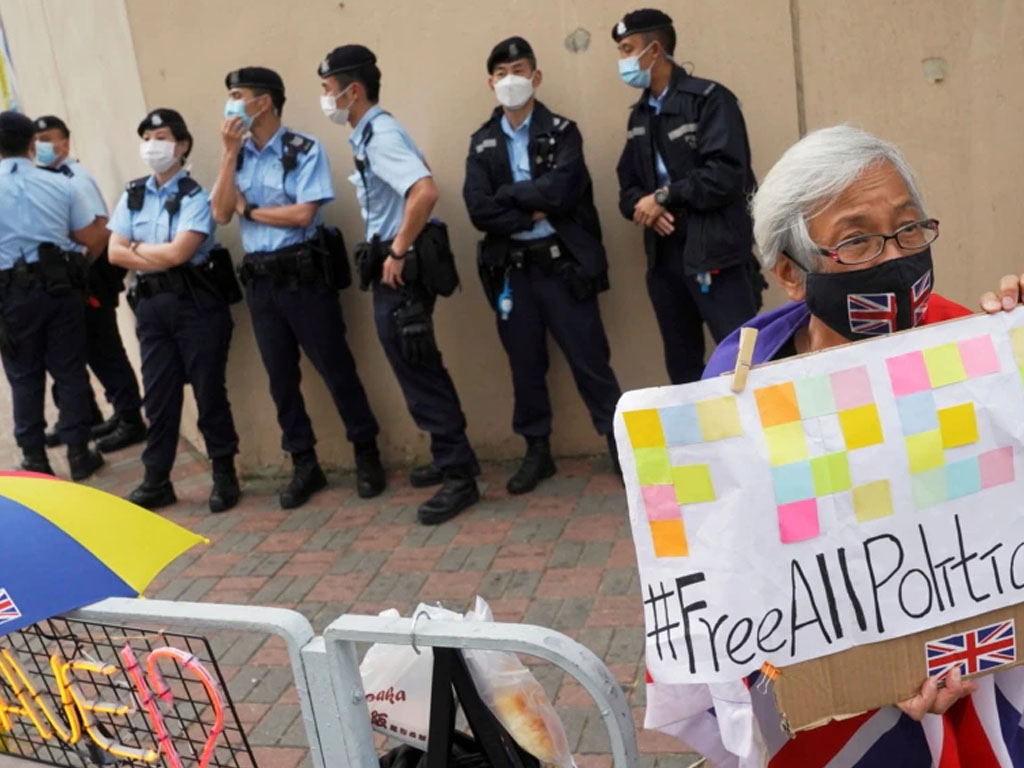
pixel 852 388
pixel 908 374
pixel 996 467
pixel 798 521
pixel 660 502
pixel 979 356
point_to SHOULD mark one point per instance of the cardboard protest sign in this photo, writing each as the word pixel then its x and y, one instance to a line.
pixel 857 495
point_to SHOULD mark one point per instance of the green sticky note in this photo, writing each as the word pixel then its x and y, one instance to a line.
pixel 693 484
pixel 831 473
pixel 944 364
pixel 815 397
pixel 652 466
pixel 929 488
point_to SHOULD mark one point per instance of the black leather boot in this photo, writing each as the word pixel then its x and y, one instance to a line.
pixel 537 465
pixel 155 492
pixel 371 479
pixel 129 430
pixel 457 492
pixel 307 479
pixel 225 492
pixel 35 461
pixel 83 461
pixel 431 474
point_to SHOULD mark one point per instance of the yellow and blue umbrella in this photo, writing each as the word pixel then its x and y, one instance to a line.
pixel 64 545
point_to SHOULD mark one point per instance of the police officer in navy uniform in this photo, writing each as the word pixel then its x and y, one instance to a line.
pixel 276 179
pixel 42 306
pixel 397 195
pixel 541 260
pixel 685 177
pixel 163 229
pixel 104 349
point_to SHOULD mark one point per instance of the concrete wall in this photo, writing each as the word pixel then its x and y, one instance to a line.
pixel 792 63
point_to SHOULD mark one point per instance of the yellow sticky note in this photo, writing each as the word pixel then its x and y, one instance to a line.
pixel 925 451
pixel 719 418
pixel 1017 342
pixel 872 501
pixel 944 365
pixel 652 466
pixel 644 428
pixel 669 538
pixel 861 427
pixel 693 484
pixel 958 425
pixel 786 443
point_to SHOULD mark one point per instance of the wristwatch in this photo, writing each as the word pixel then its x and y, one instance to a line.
pixel 249 208
pixel 394 255
pixel 661 196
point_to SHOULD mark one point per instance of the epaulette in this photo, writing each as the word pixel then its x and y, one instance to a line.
pixel 697 86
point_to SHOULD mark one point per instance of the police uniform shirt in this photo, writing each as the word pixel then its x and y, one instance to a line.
pixel 153 223
pixel 86 186
pixel 655 102
pixel 392 164
pixel 518 143
pixel 263 182
pixel 37 206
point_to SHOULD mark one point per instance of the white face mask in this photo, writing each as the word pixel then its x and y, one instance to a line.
pixel 158 154
pixel 329 106
pixel 513 91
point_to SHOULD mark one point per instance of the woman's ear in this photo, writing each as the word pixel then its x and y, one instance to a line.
pixel 791 277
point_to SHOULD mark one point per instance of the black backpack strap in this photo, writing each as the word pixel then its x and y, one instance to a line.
pixel 136 189
pixel 364 163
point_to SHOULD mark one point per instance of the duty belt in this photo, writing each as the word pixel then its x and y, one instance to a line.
pixel 21 273
pixel 542 252
pixel 172 281
pixel 294 262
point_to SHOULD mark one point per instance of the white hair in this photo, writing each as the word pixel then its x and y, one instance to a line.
pixel 807 179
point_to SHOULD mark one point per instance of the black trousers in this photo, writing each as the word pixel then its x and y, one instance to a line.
pixel 48 333
pixel 183 342
pixel 307 317
pixel 542 303
pixel 682 308
pixel 429 392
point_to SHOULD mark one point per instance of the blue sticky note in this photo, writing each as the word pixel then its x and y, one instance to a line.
pixel 963 477
pixel 793 482
pixel 680 425
pixel 917 412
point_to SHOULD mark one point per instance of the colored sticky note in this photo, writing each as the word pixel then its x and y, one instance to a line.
pixel 786 443
pixel 719 418
pixel 660 502
pixel 814 396
pixel 908 374
pixel 958 425
pixel 917 412
pixel 693 484
pixel 680 424
pixel 963 478
pixel 944 365
pixel 798 521
pixel 652 466
pixel 852 388
pixel 777 404
pixel 979 356
pixel 793 482
pixel 644 428
pixel 996 467
pixel 669 538
pixel 861 427
pixel 925 451
pixel 872 501
pixel 831 473
pixel 1017 342
pixel 929 488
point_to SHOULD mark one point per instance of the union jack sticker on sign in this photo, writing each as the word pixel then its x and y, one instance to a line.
pixel 8 608
pixel 977 650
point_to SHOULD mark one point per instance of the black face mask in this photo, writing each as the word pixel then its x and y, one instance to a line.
pixel 870 302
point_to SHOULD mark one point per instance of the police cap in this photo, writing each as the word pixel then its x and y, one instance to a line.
pixel 16 124
pixel 46 122
pixel 165 118
pixel 507 51
pixel 643 20
pixel 345 57
pixel 254 77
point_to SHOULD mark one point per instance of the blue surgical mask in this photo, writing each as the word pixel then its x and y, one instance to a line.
pixel 45 153
pixel 236 108
pixel 630 72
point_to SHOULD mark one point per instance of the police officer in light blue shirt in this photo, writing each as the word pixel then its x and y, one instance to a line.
pixel 163 229
pixel 42 223
pixel 105 351
pixel 397 195
pixel 275 180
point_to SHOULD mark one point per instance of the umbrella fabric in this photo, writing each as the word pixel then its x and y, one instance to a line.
pixel 64 545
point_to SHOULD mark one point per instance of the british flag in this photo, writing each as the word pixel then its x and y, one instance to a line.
pixel 920 292
pixel 872 313
pixel 977 650
pixel 8 608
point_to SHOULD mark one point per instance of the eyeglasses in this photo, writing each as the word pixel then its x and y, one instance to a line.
pixel 864 248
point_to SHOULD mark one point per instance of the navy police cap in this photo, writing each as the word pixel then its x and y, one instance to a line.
pixel 165 118
pixel 507 51
pixel 345 57
pixel 16 124
pixel 643 20
pixel 46 122
pixel 254 77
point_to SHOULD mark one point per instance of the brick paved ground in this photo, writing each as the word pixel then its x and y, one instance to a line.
pixel 561 557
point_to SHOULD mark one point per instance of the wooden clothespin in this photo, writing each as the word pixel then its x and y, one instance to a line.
pixel 743 357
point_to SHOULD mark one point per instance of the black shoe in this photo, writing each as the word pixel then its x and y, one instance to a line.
pixel 104 428
pixel 52 438
pixel 154 493
pixel 537 465
pixel 431 474
pixel 225 492
pixel 613 453
pixel 371 480
pixel 35 461
pixel 307 479
pixel 458 492
pixel 83 461
pixel 128 431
